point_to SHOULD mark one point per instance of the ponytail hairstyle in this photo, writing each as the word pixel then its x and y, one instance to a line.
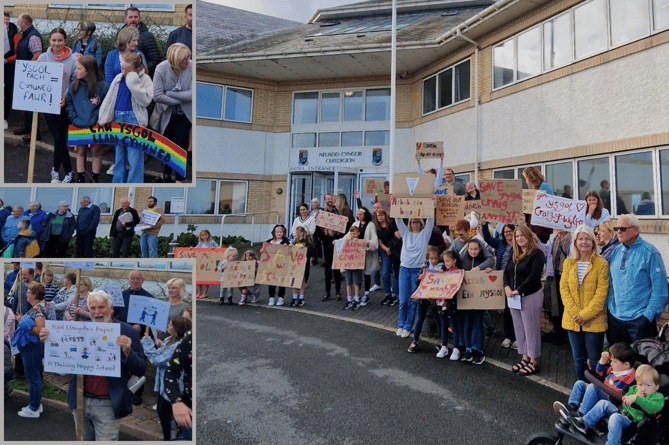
pixel 93 75
pixel 135 60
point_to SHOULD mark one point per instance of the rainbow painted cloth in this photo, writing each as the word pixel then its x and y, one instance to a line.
pixel 133 136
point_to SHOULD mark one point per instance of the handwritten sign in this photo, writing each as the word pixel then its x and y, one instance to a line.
pixel 148 311
pixel 239 274
pixel 84 266
pixel 38 86
pixel 482 290
pixel 429 150
pixel 79 347
pixel 473 205
pixel 443 190
pixel 558 213
pixel 349 254
pixel 413 185
pixel 439 285
pixel 150 218
pixel 502 201
pixel 449 209
pixel 412 208
pixel 528 200
pixel 282 265
pixel 114 291
pixel 384 201
pixel 374 186
pixel 331 221
pixel 206 262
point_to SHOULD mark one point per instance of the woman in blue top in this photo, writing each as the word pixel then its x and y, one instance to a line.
pixel 86 45
pixel 126 42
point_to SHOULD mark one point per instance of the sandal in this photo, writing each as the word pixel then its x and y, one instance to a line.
pixel 529 369
pixel 518 366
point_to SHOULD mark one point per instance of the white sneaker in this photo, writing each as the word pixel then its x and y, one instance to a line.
pixel 55 177
pixel 375 287
pixel 271 302
pixel 6 125
pixel 110 171
pixel 514 345
pixel 68 178
pixel 254 299
pixel 455 355
pixel 405 333
pixel 506 343
pixel 279 302
pixel 27 412
pixel 399 331
pixel 242 300
pixel 443 352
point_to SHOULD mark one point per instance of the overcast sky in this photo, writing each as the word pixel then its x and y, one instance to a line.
pixel 297 10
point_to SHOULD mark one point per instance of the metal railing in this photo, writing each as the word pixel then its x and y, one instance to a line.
pixel 253 216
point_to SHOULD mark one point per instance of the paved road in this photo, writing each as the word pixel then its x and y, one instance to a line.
pixel 272 376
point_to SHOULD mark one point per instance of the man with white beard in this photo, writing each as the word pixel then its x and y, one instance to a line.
pixel 107 399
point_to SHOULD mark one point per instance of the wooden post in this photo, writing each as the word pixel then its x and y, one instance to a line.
pixel 80 377
pixel 33 141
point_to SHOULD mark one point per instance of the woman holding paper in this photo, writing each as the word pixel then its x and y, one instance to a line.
pixel 522 282
pixel 82 313
pixel 368 233
pixel 584 287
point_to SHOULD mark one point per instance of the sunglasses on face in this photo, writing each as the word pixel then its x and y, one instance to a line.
pixel 621 229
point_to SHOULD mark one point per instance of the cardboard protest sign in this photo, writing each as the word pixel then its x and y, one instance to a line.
pixel 412 208
pixel 206 262
pixel 114 291
pixel 528 200
pixel 139 138
pixel 384 201
pixel 239 274
pixel 413 185
pixel 148 311
pixel 482 290
pixel 429 150
pixel 84 266
pixel 80 347
pixel 449 209
pixel 38 86
pixel 349 254
pixel 439 285
pixel 374 185
pixel 473 205
pixel 282 265
pixel 502 201
pixel 443 190
pixel 558 213
pixel 331 221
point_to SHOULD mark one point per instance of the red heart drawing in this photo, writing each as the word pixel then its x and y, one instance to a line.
pixel 492 278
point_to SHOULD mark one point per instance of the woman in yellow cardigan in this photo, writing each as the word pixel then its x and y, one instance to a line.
pixel 584 287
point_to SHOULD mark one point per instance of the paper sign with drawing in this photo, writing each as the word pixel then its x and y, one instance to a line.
pixel 148 311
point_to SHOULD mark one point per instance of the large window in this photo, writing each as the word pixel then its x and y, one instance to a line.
pixel 664 178
pixel 529 53
pixel 238 104
pixel 589 28
pixel 165 195
pixel 214 197
pixel 352 105
pixel 330 107
pixel 304 140
pixel 224 102
pixel 629 20
pixel 49 197
pixel 447 87
pixel 377 105
pixel 557 42
pixel 503 59
pixel 209 100
pixel 201 199
pixel 328 139
pixel 305 108
pixel 371 105
pixel 660 15
pixel 376 138
pixel 561 178
pixel 634 183
pixel 232 197
pixel 351 139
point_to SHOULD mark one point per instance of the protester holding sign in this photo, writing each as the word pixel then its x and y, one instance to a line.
pixel 254 291
pixel 302 238
pixel 58 123
pixel 344 209
pixel 82 313
pixel 204 240
pixel 230 256
pixel 596 214
pixel 353 276
pixel 303 219
pixel 390 247
pixel 328 237
pixel 368 233
pixel 536 180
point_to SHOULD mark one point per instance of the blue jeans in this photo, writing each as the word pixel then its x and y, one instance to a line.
pixel 586 395
pixel 457 325
pixel 377 276
pixel 123 154
pixel 472 329
pixel 621 331
pixel 386 270
pixel 440 319
pixel 617 422
pixel 32 355
pixel 149 243
pixel 407 285
pixel 585 346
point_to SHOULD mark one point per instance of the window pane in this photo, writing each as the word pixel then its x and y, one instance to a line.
pixel 165 195
pixel 529 53
pixel 147 265
pixel 463 178
pixel 181 266
pixel 590 28
pixel 503 63
pixel 446 88
pixel 209 100
pixel 330 107
pixel 634 182
pixel 16 196
pixel 377 106
pixel 429 94
pixel 232 197
pixel 103 197
pixel 200 199
pixel 629 20
pixel 557 42
pixel 503 174
pixel 462 82
pixel 351 139
pixel 50 196
pixel 353 105
pixel 593 174
pixel 561 178
pixel 238 105
pixel 377 137
pixel 151 6
pixel 328 139
pixel 664 177
pixel 660 14
pixel 304 140
pixel 305 108
pixel 521 177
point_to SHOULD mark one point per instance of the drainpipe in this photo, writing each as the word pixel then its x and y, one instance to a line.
pixel 476 104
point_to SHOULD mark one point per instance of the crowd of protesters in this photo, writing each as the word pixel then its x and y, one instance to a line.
pixel 134 84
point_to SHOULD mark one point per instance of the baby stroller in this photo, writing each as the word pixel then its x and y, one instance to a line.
pixel 651 431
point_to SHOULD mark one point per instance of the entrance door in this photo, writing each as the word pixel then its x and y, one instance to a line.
pixel 346 185
pixel 323 183
pixel 300 192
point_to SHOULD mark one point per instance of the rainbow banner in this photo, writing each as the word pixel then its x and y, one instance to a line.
pixel 133 136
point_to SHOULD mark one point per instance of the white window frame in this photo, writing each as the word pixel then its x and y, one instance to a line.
pixel 183 195
pixel 217 197
pixel 223 97
pixel 436 98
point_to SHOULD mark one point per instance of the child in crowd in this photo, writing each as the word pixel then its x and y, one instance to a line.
pixel 50 289
pixel 129 96
pixel 204 241
pixel 451 262
pixel 328 236
pixel 230 255
pixel 84 98
pixel 302 238
pixel 253 291
pixel 278 237
pixel 641 401
pixel 353 277
pixel 470 321
pixel 616 366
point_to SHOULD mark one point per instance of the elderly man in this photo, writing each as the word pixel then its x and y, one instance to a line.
pixel 185 33
pixel 11 229
pixel 88 219
pixel 149 237
pixel 107 399
pixel 30 47
pixel 638 285
pixel 147 42
pixel 123 229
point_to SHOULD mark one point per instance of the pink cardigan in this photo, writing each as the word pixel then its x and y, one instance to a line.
pixel 84 315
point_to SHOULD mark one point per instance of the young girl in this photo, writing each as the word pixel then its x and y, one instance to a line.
pixel 204 241
pixel 230 255
pixel 50 289
pixel 451 262
pixel 278 237
pixel 353 277
pixel 254 290
pixel 424 304
pixel 302 238
pixel 470 322
pixel 368 233
pixel 129 95
pixel 83 101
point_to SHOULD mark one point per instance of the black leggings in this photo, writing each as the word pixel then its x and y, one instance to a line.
pixel 272 291
pixel 164 410
pixel 58 124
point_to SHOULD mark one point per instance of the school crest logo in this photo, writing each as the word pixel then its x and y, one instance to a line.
pixel 377 158
pixel 303 158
